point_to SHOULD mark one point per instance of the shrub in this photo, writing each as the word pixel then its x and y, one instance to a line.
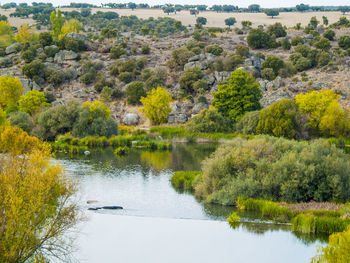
pixel 303 64
pixel 257 38
pixel 276 29
pixel 117 52
pixel 273 62
pixel 209 120
pixel 242 51
pixel 233 219
pixel 33 69
pixel 180 56
pixel 156 78
pixel 184 180
pixel 240 95
pixel 10 91
pixel 106 94
pixel 329 34
pixel 32 101
pixel 21 120
pixel 126 77
pixel 51 51
pixel 285 44
pixel 275 169
pixel 189 77
pixel 267 73
pixel 135 91
pixel 230 62
pixel 145 49
pixel 323 44
pixel 45 39
pixel 156 106
pixel 89 77
pixel 281 119
pixel 214 49
pixel 297 40
pixel 323 59
pixel 344 42
pixel 28 55
pixel 247 124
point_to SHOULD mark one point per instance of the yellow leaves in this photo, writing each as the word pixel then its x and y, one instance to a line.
pixel 70 26
pixel 10 90
pixel 3 120
pixel 32 101
pixel 156 106
pixel 314 104
pixel 25 34
pixel 97 106
pixel 6 34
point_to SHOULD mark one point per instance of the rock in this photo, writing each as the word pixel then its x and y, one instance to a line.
pixel 131 119
pixel 194 58
pixel 5 62
pixel 87 153
pixel 309 37
pixel 210 57
pixel 221 76
pixel 77 36
pixel 200 64
pixel 90 46
pixel 263 84
pixel 35 86
pixel 199 107
pixel 14 48
pixel 209 79
pixel 274 96
pixel 26 84
pixel 275 84
pixel 63 55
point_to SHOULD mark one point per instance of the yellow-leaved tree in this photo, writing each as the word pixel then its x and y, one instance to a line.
pixel 10 91
pixel 97 107
pixel 25 34
pixel 57 22
pixel 35 204
pixel 70 26
pixel 6 34
pixel 156 106
pixel 32 101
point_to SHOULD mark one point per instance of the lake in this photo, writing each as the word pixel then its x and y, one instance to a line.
pixel 160 224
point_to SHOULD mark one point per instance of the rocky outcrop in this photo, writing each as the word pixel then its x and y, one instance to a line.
pixel 14 48
pixel 201 61
pixel 5 62
pixel 64 55
pixel 198 107
pixel 181 111
pixel 274 96
pixel 221 76
pixel 77 36
pixel 131 119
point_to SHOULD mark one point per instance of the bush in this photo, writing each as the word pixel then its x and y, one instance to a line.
pixel 257 38
pixel 180 56
pixel 45 39
pixel 184 180
pixel 281 119
pixel 89 77
pixel 240 95
pixel 344 42
pixel 33 69
pixel 21 120
pixel 28 55
pixel 273 62
pixel 297 40
pixel 303 64
pixel 106 94
pixel 276 29
pixel 209 120
pixel 247 124
pixel 275 169
pixel 32 101
pixel 51 51
pixel 117 52
pixel 242 51
pixel 189 77
pixel 323 44
pixel 126 77
pixel 214 49
pixel 323 59
pixel 145 49
pixel 268 73
pixel 135 91
pixel 329 34
pixel 285 44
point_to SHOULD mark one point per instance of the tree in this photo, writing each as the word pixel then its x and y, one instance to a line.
pixel 135 91
pixel 3 120
pixel 35 205
pixel 254 8
pixel 6 34
pixel 194 12
pixel 132 6
pixel 273 62
pixel 272 12
pixel 329 34
pixel 230 21
pixel 21 120
pixel 201 20
pixel 325 20
pixel 169 9
pixel 10 91
pixel 323 44
pixel 257 38
pixel 189 78
pixel 156 106
pixel 280 119
pixel 276 29
pixel 314 22
pixel 302 7
pixel 70 26
pixel 217 8
pixel 32 101
pixel 57 22
pixel 25 34
pixel 240 95
pixel 314 104
pixel 344 42
pixel 344 9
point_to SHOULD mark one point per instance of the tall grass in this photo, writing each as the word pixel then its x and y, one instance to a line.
pixel 184 180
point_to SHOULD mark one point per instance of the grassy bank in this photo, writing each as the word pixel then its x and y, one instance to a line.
pixel 184 180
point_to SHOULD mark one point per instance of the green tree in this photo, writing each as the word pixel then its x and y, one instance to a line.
pixel 281 119
pixel 6 34
pixel 314 22
pixel 21 120
pixel 189 78
pixel 323 44
pixel 230 21
pixel 240 95
pixel 344 42
pixel 156 106
pixel 135 91
pixel 272 12
pixel 257 38
pixel 273 62
pixel 325 20
pixel 57 22
pixel 276 29
pixel 201 20
pixel 32 101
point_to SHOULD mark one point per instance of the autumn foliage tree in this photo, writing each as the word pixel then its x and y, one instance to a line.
pixel 35 206
pixel 10 91
pixel 6 34
pixel 25 34
pixel 32 101
pixel 156 106
pixel 57 22
pixel 70 26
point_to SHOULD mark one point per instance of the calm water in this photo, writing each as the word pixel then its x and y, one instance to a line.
pixel 159 224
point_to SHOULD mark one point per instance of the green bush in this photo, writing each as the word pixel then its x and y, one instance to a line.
pixel 21 120
pixel 323 44
pixel 297 40
pixel 33 69
pixel 242 51
pixel 281 119
pixel 29 55
pixel 135 91
pixel 276 29
pixel 247 124
pixel 344 42
pixel 285 44
pixel 180 56
pixel 214 49
pixel 117 52
pixel 106 94
pixel 275 169
pixel 273 62
pixel 184 180
pixel 267 73
pixel 45 39
pixel 323 59
pixel 209 120
pixel 126 77
pixel 329 34
pixel 233 219
pixel 50 51
pixel 75 45
pixel 189 77
pixel 257 38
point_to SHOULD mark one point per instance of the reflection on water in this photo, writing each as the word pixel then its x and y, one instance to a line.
pixel 140 182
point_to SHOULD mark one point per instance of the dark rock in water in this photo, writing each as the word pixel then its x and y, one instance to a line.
pixel 94 208
pixel 112 207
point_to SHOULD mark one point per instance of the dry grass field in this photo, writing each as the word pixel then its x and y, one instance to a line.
pixel 288 19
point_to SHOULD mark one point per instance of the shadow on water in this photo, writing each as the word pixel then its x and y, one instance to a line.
pixel 182 157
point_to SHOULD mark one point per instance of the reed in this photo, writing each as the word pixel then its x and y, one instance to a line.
pixel 184 180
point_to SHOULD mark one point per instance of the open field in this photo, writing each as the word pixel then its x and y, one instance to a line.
pixel 288 19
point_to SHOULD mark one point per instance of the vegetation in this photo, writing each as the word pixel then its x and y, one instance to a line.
pixel 184 180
